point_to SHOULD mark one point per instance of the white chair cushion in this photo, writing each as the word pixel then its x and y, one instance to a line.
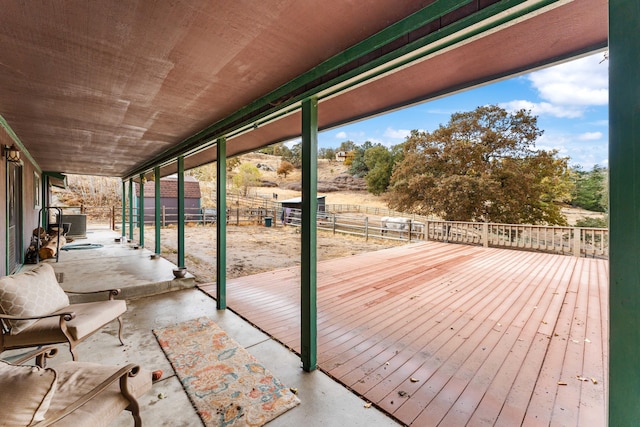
pixel 25 392
pixel 75 379
pixel 32 293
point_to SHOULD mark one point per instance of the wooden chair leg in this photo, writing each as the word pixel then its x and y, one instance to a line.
pixel 120 330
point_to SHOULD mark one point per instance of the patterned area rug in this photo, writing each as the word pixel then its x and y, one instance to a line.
pixel 227 385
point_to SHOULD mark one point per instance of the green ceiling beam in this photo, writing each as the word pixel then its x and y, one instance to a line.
pixel 254 113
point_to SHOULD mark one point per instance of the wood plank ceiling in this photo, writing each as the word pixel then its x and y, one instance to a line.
pixel 113 89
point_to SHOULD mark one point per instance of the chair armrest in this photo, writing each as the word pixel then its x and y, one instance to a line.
pixel 67 315
pixel 112 292
pixel 41 355
pixel 131 370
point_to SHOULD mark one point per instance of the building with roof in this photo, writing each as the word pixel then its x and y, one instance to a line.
pixel 169 199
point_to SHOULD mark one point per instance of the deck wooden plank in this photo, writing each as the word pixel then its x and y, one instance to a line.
pixel 530 313
pixel 387 317
pixel 552 380
pixel 421 342
pixel 593 366
pixel 466 360
pixel 450 296
pixel 507 398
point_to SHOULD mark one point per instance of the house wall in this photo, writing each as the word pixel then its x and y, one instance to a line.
pixel 29 209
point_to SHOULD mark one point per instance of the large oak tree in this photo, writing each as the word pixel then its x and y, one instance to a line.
pixel 481 166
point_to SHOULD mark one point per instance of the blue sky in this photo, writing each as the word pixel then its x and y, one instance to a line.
pixel 570 100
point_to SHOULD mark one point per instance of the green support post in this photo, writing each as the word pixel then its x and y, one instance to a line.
pixel 156 177
pixel 624 216
pixel 221 225
pixel 131 208
pixel 141 210
pixel 309 327
pixel 124 208
pixel 181 211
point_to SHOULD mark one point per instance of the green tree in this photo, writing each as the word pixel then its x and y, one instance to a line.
pixel 248 176
pixel 327 153
pixel 347 146
pixel 274 149
pixel 358 167
pixel 379 162
pixel 232 163
pixel 602 222
pixel 294 155
pixel 481 166
pixel 591 189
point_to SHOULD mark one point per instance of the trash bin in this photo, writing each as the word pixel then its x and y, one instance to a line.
pixel 267 221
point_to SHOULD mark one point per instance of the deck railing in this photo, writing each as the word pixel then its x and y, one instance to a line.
pixel 576 241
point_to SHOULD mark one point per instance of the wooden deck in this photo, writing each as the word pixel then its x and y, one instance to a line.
pixel 441 334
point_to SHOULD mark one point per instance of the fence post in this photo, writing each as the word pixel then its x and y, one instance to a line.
pixel 334 223
pixel 366 228
pixel 576 241
pixel 485 235
pixel 164 216
pixel 238 214
pixel 410 229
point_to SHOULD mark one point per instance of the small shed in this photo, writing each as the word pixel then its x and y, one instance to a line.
pixel 169 199
pixel 291 206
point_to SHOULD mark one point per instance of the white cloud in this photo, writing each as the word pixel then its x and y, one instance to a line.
pixel 567 90
pixel 397 133
pixel 590 136
pixel 584 82
pixel 341 135
pixel 291 143
pixel 583 151
pixel 542 108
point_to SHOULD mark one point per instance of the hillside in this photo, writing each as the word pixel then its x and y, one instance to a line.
pixel 331 175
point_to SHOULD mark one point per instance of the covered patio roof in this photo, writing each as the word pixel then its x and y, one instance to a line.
pixel 103 89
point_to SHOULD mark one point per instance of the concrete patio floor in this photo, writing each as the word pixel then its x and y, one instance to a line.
pixel 324 402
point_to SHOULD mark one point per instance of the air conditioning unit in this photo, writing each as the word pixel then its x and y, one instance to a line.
pixel 77 225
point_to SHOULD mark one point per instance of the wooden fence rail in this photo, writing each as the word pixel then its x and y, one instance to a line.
pixel 576 241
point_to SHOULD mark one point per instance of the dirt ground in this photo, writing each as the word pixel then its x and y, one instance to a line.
pixel 255 249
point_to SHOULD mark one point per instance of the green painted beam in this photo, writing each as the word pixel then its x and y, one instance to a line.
pixel 309 314
pixel 221 225
pixel 157 219
pixel 131 208
pixel 6 217
pixel 124 208
pixel 624 217
pixel 181 211
pixel 141 210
